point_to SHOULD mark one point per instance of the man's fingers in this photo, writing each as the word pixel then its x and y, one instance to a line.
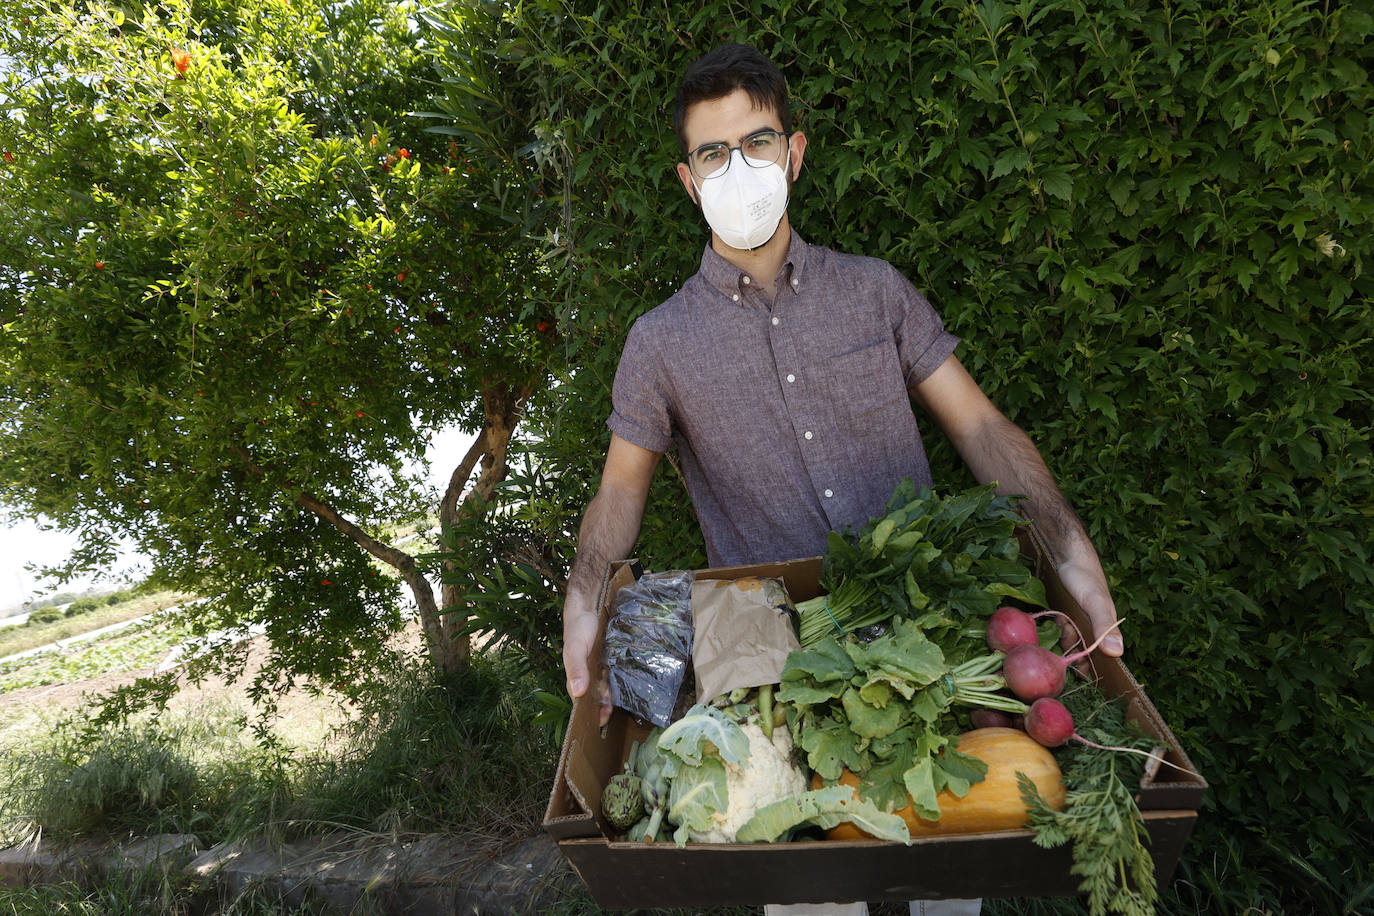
pixel 575 665
pixel 603 692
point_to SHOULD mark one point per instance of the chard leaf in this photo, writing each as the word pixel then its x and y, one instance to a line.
pixel 803 695
pixel 831 748
pixel 825 808
pixel 905 654
pixel 958 771
pixel 884 784
pixel 920 785
pixel 867 720
pixel 879 689
pixel 825 663
pixel 929 703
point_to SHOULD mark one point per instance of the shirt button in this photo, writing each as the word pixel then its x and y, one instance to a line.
pixel 775 318
pixel 808 434
pixel 791 378
pixel 735 297
pixel 745 280
pixel 829 493
pixel 795 281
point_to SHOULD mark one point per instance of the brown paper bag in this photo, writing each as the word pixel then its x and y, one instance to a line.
pixel 742 634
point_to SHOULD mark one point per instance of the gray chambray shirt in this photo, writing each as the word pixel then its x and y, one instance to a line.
pixel 789 421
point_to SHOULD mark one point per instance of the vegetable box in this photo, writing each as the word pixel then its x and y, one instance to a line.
pixel 1004 863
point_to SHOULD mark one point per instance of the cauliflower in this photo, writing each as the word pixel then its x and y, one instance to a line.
pixel 768 775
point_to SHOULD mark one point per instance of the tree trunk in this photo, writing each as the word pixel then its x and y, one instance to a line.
pixel 501 410
pixel 442 620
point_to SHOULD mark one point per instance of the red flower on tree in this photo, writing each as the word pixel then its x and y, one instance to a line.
pixel 181 59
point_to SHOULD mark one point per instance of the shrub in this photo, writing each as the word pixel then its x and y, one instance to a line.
pixel 1148 222
pixel 82 606
pixel 45 615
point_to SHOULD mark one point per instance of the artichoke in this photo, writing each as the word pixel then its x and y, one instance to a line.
pixel 623 800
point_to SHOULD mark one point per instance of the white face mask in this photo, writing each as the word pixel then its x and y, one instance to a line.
pixel 745 205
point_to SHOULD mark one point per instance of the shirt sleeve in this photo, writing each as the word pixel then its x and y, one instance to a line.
pixel 641 412
pixel 923 344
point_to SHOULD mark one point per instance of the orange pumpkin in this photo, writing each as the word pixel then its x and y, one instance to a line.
pixel 993 804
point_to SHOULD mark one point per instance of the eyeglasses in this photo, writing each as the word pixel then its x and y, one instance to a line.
pixel 760 150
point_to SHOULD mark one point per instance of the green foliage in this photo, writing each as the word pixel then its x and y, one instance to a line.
pixel 439 754
pixel 1149 225
pixel 44 615
pixel 239 286
pixel 128 780
pixel 81 606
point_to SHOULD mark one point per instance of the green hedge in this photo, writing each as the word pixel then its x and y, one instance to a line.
pixel 1149 224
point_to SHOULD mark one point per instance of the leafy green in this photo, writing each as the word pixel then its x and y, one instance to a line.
pixel 1100 816
pixel 945 560
pixel 881 709
pixel 825 808
pixel 702 732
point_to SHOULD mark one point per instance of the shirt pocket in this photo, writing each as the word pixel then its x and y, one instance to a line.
pixel 865 382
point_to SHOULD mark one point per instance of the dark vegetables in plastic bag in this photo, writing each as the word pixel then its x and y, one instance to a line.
pixel 649 644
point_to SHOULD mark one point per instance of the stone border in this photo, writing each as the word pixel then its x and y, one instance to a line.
pixel 343 872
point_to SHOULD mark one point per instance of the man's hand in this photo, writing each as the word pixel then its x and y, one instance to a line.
pixel 998 451
pixel 608 532
pixel 579 633
pixel 1085 582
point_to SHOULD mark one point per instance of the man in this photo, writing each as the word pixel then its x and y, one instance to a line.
pixel 784 374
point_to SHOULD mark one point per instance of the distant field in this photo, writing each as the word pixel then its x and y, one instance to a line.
pixel 30 636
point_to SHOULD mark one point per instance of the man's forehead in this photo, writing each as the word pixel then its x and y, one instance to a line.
pixel 733 117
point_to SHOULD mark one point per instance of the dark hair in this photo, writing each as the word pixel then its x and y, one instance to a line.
pixel 720 72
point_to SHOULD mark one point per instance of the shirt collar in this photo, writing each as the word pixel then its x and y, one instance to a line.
pixel 728 279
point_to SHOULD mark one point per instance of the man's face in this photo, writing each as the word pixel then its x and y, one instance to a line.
pixel 729 120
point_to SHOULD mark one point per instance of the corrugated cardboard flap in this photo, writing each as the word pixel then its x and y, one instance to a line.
pixel 1176 784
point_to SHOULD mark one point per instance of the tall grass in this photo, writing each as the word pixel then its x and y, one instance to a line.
pixel 441 754
pixel 149 895
pixel 430 756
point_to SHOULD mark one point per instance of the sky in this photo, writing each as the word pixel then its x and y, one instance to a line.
pixel 25 543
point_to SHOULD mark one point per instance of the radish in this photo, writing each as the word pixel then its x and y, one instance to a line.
pixel 991 718
pixel 1010 627
pixel 1033 672
pixel 1049 722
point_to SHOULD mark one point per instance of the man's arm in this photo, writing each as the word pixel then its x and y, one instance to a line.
pixel 608 532
pixel 996 449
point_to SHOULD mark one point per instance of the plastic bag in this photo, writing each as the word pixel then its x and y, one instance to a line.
pixel 648 644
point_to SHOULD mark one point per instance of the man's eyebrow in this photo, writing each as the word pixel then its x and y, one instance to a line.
pixel 743 137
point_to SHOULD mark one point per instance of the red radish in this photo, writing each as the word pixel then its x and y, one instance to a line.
pixel 1010 627
pixel 1033 672
pixel 1049 722
pixel 991 718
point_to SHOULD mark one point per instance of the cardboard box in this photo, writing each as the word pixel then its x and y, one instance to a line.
pixel 995 864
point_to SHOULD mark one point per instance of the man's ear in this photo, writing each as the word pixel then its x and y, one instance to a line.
pixel 797 144
pixel 684 174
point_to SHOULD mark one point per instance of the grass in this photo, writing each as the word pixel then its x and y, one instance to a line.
pixel 147 895
pixel 22 637
pixel 424 761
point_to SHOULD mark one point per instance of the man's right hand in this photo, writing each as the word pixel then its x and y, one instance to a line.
pixel 579 633
pixel 609 528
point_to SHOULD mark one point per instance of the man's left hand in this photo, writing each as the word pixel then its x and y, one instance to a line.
pixel 1085 582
